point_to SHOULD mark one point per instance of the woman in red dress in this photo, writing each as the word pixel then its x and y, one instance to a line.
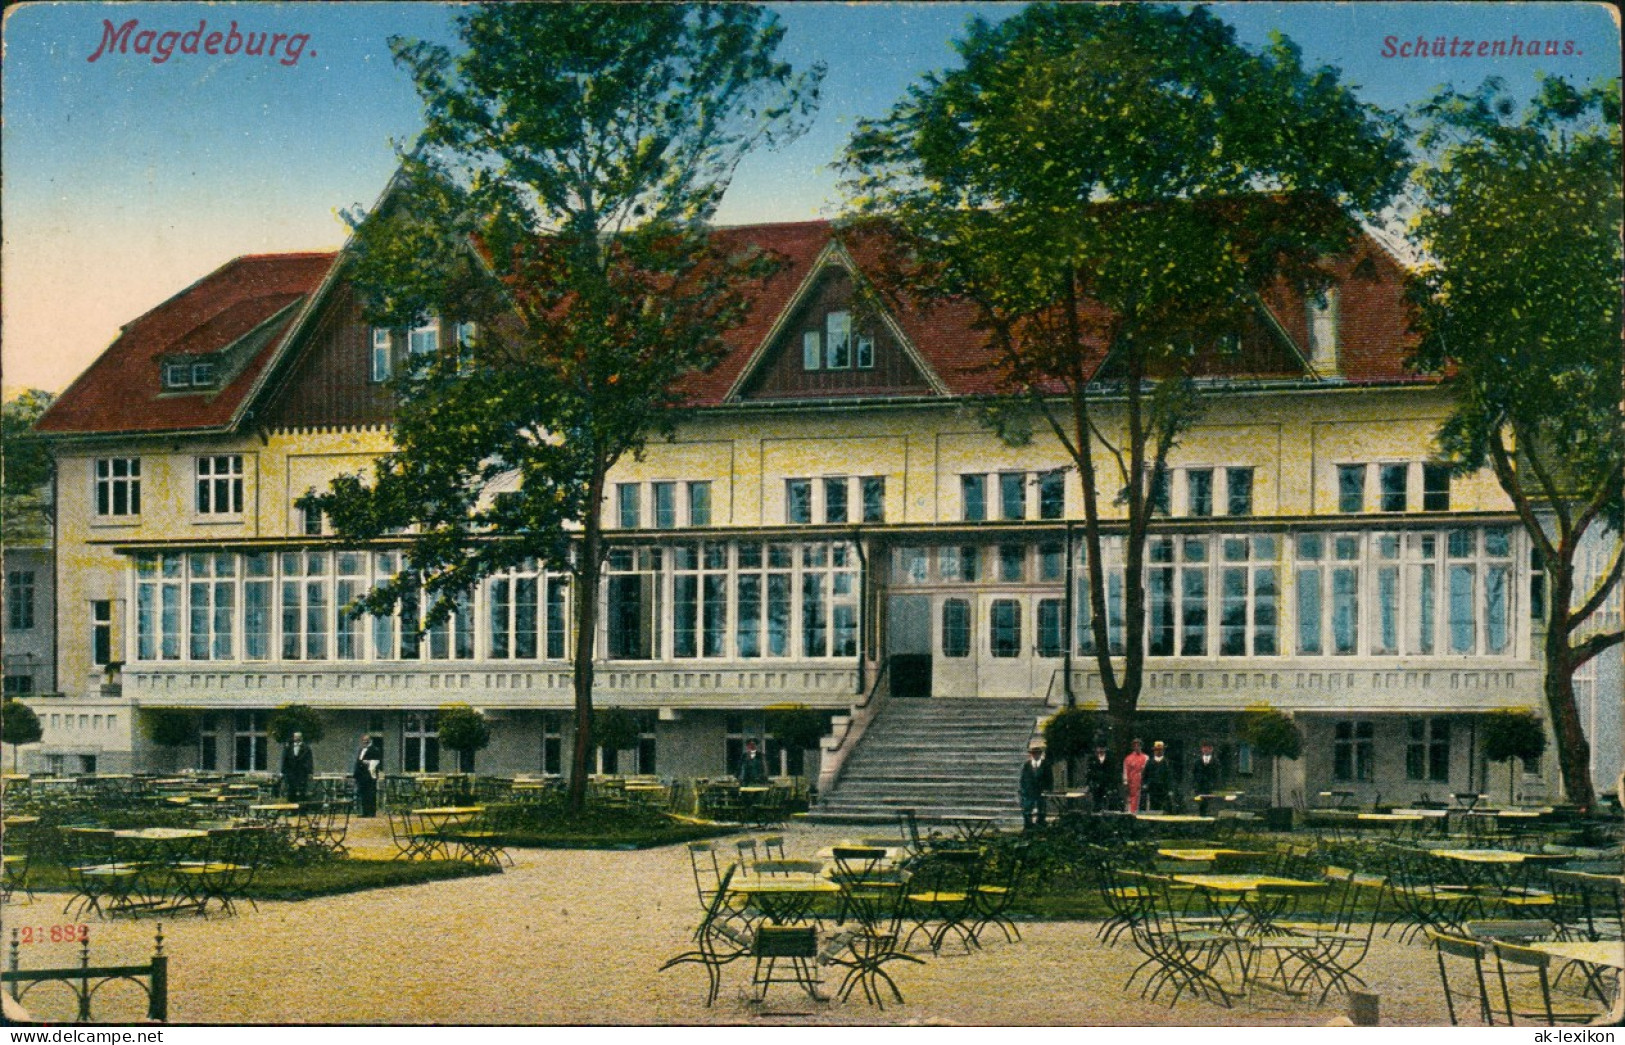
pixel 1133 773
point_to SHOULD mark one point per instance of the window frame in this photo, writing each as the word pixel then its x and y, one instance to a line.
pixel 381 356
pixel 108 487
pixel 211 486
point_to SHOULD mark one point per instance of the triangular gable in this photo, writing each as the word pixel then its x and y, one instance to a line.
pixel 834 339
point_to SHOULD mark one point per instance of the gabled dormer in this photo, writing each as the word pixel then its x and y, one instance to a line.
pixel 834 340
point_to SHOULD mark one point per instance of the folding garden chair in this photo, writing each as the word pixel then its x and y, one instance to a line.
pixel 1465 990
pixel 719 943
pixel 1527 997
pixel 872 898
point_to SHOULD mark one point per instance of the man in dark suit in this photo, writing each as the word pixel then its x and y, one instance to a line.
pixel 369 761
pixel 1037 780
pixel 1205 776
pixel 298 763
pixel 1103 776
pixel 752 767
pixel 1158 779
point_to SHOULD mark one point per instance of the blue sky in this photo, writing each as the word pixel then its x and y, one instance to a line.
pixel 126 179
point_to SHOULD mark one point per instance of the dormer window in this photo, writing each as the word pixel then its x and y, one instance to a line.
pixel 181 374
pixel 837 346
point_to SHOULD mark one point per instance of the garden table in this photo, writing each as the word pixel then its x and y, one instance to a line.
pixel 975 828
pixel 784 898
pixel 1232 896
pixel 1207 856
pixel 435 821
pixel 1339 799
pixel 156 851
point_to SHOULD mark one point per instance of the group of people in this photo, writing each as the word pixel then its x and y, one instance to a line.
pixel 299 765
pixel 1140 783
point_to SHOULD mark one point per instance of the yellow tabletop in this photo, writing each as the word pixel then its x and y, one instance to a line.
pixel 276 807
pixel 1481 856
pixel 1607 953
pixel 1428 814
pixel 449 811
pixel 1173 818
pixel 782 883
pixel 1389 818
pixel 1204 855
pixel 20 821
pixel 160 834
pixel 1242 883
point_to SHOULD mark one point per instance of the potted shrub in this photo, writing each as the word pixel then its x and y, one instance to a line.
pixel 614 730
pixel 796 727
pixel 1511 734
pixel 289 719
pixel 463 730
pixel 1273 735
pixel 1071 734
pixel 170 728
pixel 18 726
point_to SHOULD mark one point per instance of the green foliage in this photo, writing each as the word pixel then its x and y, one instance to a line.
pixel 1110 187
pixel 1519 304
pixel 289 719
pixel 1071 733
pixel 462 729
pixel 18 723
pixel 170 727
pixel 614 729
pixel 27 467
pixel 1512 733
pixel 795 725
pixel 575 150
pixel 1271 732
pixel 548 825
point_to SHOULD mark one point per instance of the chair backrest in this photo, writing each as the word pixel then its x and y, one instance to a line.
pixel 1526 990
pixel 1513 930
pixel 702 858
pixel 1468 992
pixel 773 846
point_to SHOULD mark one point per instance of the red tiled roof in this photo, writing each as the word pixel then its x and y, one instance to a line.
pixel 122 391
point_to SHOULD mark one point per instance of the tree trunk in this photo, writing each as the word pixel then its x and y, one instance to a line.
pixel 588 573
pixel 1573 750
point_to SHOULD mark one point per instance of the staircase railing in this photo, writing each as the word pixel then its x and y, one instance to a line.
pixel 846 730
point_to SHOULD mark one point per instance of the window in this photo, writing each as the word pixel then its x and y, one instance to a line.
pixel 1052 495
pixel 1322 329
pixel 101 631
pixel 1385 596
pixel 208 743
pixel 634 606
pixel 514 605
pixel 1427 750
pixel 699 504
pixel 211 600
pixel 220 485
pixel 960 563
pixel 628 506
pixel 838 343
pixel 552 742
pixel 737 730
pixel 874 498
pixel 1351 487
pixel 1051 628
pixel 910 565
pixel 1249 591
pixel 305 599
pixel 1353 751
pixel 955 628
pixel 798 501
pixel 1435 488
pixel 420 743
pixel 1012 495
pixel 829 610
pixel 1391 486
pixel 835 500
pixel 765 599
pixel 189 373
pixel 424 340
pixel 645 749
pixel 1238 484
pixel 310 519
pixel 1006 628
pixel 1537 585
pixel 865 351
pixel 1160 496
pixel 665 504
pixel 1193 577
pixel 1199 492
pixel 1051 562
pixel 381 362
pixel 812 350
pixel 158 607
pixel 249 742
pixel 118 486
pixel 19 685
pixel 20 600
pixel 463 336
pixel 973 497
pixel 700 600
pixel 1112 553
pixel 1311 550
pixel 1012 562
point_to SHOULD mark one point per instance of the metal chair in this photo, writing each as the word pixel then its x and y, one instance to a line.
pixel 719 943
pixel 1526 997
pixel 1469 955
pixel 873 898
pixel 96 873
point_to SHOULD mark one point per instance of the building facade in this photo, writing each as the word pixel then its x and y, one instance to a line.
pixel 833 509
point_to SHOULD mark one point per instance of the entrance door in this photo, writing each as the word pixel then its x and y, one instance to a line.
pixel 1004 647
pixel 908 642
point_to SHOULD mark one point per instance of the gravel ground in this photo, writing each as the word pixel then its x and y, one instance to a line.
pixel 575 937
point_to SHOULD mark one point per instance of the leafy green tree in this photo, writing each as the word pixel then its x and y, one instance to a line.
pixel 1071 734
pixel 1272 734
pixel 615 729
pixel 25 463
pixel 19 725
pixel 557 197
pixel 1110 187
pixel 1511 734
pixel 289 719
pixel 170 727
pixel 1518 303
pixel 796 726
pixel 463 730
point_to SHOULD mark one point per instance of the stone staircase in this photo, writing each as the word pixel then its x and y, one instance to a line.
pixel 940 757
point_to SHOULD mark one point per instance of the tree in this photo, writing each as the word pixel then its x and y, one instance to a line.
pixel 1511 734
pixel 1071 733
pixel 1272 734
pixel 796 727
pixel 1110 188
pixel 19 725
pixel 558 196
pixel 463 730
pixel 26 467
pixel 615 729
pixel 170 727
pixel 1518 304
pixel 289 719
